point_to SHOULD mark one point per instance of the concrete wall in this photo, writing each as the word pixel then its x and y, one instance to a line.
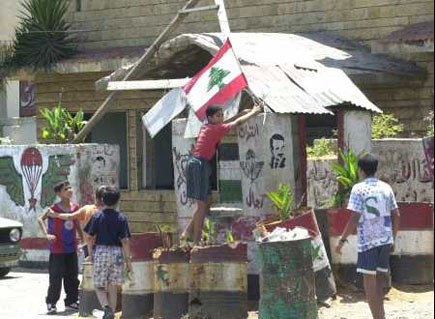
pixel 113 23
pixel 136 22
pixel 402 164
pixel 8 19
pixel 22 131
pixel 28 173
pixel 144 208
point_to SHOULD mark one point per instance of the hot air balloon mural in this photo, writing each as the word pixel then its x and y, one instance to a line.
pixel 31 167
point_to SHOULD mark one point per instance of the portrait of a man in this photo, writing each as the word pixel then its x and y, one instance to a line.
pixel 277 148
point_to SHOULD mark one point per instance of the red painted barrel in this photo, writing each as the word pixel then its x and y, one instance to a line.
pixel 138 292
pixel 325 283
pixel 412 260
pixel 171 284
pixel 218 282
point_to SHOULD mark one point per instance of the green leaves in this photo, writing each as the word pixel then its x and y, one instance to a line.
pixel 321 148
pixel 283 200
pixel 385 126
pixel 209 232
pixel 346 174
pixel 61 126
pixel 42 37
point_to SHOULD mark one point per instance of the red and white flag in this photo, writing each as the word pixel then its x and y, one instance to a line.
pixel 218 82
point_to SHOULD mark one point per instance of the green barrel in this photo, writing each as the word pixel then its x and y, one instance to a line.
pixel 287 286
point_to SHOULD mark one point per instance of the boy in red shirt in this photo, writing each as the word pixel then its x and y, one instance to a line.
pixel 198 169
pixel 62 239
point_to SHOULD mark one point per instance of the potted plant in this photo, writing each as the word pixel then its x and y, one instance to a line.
pixel 288 216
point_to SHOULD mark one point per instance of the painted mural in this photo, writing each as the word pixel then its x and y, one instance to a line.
pixel 28 174
pixel 402 164
pixel 98 166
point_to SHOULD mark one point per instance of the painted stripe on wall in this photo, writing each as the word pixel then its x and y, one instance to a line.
pixel 408 243
pixel 413 216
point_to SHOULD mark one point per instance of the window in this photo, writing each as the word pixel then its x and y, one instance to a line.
pixel 112 129
pixel 78 5
pixel 157 161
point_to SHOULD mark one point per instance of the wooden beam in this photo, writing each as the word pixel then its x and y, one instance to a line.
pixel 135 71
pixel 223 18
pixel 201 9
pixel 146 84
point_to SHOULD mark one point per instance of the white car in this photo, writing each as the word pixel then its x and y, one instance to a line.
pixel 10 236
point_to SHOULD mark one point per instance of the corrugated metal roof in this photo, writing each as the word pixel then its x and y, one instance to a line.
pixel 287 71
pixel 271 85
pixel 413 33
pixel 328 86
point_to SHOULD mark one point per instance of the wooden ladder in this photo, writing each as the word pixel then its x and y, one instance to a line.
pixel 188 8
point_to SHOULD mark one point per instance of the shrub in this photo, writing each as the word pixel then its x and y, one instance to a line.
pixel 346 175
pixel 385 126
pixel 321 147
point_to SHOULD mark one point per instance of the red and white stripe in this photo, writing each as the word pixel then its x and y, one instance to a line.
pixel 196 89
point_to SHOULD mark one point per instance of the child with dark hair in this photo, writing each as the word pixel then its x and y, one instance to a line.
pixel 108 230
pixel 376 216
pixel 198 169
pixel 61 234
pixel 85 213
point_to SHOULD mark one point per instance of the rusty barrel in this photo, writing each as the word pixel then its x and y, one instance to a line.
pixel 138 290
pixel 171 284
pixel 218 282
pixel 287 284
pixel 88 297
pixel 325 282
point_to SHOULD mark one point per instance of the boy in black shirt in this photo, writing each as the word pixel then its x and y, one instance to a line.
pixel 108 231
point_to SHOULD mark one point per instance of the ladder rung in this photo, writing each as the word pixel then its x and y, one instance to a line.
pixel 199 9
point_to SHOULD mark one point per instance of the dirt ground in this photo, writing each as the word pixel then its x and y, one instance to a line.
pixel 402 302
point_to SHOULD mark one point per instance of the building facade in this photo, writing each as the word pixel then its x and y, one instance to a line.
pixel 111 34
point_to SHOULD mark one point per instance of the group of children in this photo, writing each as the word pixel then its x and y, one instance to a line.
pixel 106 234
pixel 374 209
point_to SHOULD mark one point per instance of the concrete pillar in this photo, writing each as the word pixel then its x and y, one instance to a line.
pixel 13 98
pixel 267 158
pixel 355 130
pixel 181 148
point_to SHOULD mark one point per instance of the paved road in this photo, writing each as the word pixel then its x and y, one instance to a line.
pixel 22 296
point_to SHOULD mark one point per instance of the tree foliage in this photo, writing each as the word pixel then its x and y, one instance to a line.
pixel 385 126
pixel 430 124
pixel 322 147
pixel 42 37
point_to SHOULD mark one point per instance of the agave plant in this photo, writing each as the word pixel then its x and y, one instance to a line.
pixel 42 37
pixel 282 200
pixel 346 174
pixel 61 126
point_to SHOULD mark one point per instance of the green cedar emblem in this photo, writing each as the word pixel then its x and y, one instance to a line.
pixel 216 78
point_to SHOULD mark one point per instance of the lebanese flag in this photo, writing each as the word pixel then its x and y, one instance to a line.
pixel 218 82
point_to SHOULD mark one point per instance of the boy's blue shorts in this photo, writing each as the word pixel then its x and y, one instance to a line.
pixel 374 260
pixel 198 172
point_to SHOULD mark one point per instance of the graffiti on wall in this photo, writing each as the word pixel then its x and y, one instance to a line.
pixel 277 149
pixel 31 166
pixel 180 160
pixel 252 169
pixel 98 167
pixel 402 164
pixel 28 174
